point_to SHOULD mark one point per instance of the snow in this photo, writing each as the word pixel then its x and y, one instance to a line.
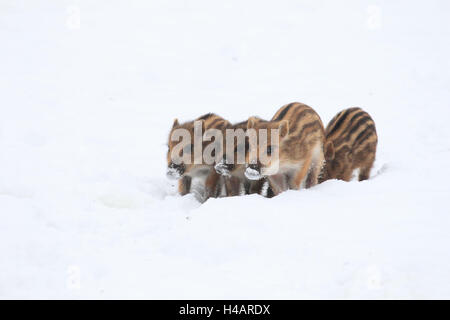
pixel 252 174
pixel 87 104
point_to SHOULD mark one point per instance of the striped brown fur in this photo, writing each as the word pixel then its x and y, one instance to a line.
pixel 190 170
pixel 300 146
pixel 351 143
pixel 234 178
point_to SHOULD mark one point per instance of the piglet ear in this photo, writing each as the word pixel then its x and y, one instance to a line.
pixel 251 123
pixel 329 151
pixel 175 123
pixel 284 128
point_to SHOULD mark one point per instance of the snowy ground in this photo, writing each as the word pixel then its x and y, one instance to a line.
pixel 86 106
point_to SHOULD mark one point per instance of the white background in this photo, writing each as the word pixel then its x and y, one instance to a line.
pixel 89 90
